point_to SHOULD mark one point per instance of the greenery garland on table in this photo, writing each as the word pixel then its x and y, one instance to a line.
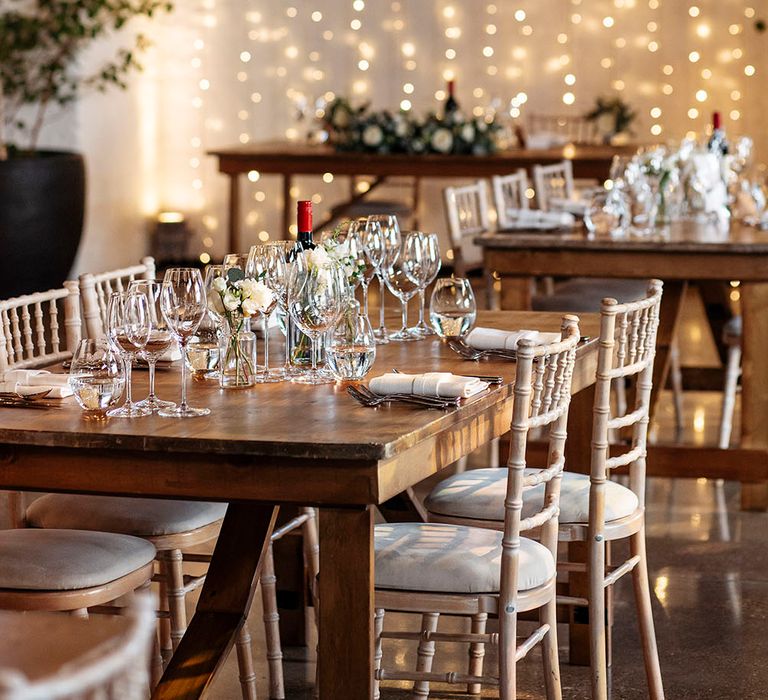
pixel 360 129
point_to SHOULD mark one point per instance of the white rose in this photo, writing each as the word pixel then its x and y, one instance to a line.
pixel 214 302
pixel 341 118
pixel 318 257
pixel 247 286
pixel 372 135
pixel 219 284
pixel 442 140
pixel 250 308
pixel 261 296
pixel 468 133
pixel 231 302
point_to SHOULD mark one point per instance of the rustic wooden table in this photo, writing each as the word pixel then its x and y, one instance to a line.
pixel 288 159
pixel 685 252
pixel 276 444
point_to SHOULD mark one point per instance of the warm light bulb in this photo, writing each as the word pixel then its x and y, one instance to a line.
pixel 608 21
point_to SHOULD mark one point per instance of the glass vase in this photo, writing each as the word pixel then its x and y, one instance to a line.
pixel 237 356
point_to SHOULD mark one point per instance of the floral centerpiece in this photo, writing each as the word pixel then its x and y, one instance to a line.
pixel 612 117
pixel 236 299
pixel 358 128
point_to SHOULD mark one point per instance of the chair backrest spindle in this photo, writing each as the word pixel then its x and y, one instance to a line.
pixel 553 182
pixel 509 194
pixel 466 211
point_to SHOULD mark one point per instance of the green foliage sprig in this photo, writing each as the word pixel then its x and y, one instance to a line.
pixel 40 42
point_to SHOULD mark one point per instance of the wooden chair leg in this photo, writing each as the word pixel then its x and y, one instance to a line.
pixel 164 623
pixel 477 653
pixel 245 663
pixel 311 552
pixel 732 371
pixel 597 637
pixel 549 651
pixel 378 628
pixel 645 616
pixel 425 653
pixel 175 593
pixel 16 511
pixel 272 627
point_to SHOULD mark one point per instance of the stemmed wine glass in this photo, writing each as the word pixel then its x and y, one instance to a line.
pixel 159 341
pixel 373 247
pixel 267 263
pixel 429 269
pixel 202 354
pixel 183 304
pixel 288 248
pixel 128 331
pixel 314 303
pixel 390 232
pixel 401 277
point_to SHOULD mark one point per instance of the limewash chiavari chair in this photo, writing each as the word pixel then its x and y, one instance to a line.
pixel 441 568
pixel 576 129
pixel 509 194
pixel 92 665
pixel 96 288
pixel 553 182
pixel 75 569
pixel 593 508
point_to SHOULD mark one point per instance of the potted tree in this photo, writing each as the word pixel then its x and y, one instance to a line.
pixel 42 192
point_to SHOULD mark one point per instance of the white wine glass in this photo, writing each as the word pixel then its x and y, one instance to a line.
pixel 431 267
pixel 390 232
pixel 97 377
pixel 160 338
pixel 400 277
pixel 452 308
pixel 372 239
pixel 128 333
pixel 314 303
pixel 267 264
pixel 183 304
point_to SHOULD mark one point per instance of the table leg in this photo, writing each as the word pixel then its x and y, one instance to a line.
pixel 346 603
pixel 234 213
pixel 224 602
pixel 754 383
pixel 669 318
pixel 515 293
pixel 287 184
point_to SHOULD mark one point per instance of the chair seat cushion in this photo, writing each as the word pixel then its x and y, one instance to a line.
pixel 436 557
pixel 585 294
pixel 479 494
pixel 142 517
pixel 64 560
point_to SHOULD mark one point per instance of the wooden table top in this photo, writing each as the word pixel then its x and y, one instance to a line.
pixel 291 157
pixel 679 237
pixel 291 420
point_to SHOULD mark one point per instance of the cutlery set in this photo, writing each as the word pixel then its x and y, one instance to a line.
pixel 12 399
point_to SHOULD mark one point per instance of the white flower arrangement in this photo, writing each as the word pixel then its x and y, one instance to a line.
pixel 235 298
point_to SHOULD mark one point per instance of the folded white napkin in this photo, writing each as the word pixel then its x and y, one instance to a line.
pixel 30 381
pixel 443 384
pixel 493 339
pixel 576 207
pixel 546 139
pixel 537 219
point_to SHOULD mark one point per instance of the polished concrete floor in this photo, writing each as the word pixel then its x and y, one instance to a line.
pixel 709 575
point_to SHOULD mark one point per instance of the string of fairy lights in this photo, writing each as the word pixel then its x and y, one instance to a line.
pixel 263 69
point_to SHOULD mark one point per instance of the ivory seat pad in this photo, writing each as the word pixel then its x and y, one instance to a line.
pixel 479 494
pixel 440 558
pixel 63 560
pixel 142 517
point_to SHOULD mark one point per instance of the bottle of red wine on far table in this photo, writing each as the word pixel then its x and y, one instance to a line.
pixel 451 105
pixel 718 143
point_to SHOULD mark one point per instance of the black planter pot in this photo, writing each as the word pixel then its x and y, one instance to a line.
pixel 42 203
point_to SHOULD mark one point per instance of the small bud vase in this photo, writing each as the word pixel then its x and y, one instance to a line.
pixel 237 356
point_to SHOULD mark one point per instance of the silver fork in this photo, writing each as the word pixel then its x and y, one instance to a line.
pixel 368 398
pixel 469 353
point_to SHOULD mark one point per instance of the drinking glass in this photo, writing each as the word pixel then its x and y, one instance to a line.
pixel 183 304
pixel 97 377
pixel 127 329
pixel 288 248
pixel 202 354
pixel 427 272
pixel 401 277
pixel 607 214
pixel 160 338
pixel 239 260
pixel 390 231
pixel 352 347
pixel 372 239
pixel 314 303
pixel 267 263
pixel 452 308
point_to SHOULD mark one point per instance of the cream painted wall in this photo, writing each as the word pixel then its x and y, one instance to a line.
pixel 224 71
